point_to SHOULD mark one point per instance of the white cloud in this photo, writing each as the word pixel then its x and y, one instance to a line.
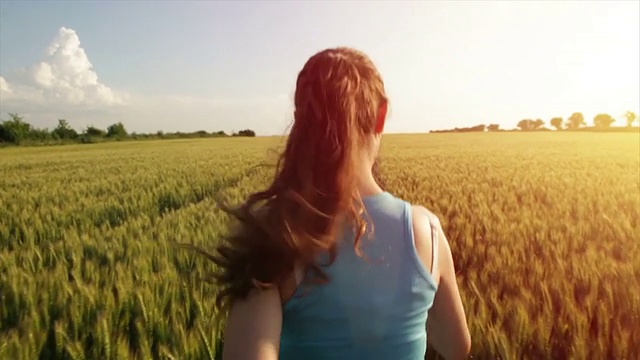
pixel 5 89
pixel 65 85
pixel 65 77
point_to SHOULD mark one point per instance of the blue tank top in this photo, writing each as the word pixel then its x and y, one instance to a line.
pixel 374 307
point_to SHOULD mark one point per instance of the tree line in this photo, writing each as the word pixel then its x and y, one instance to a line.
pixel 16 131
pixel 576 121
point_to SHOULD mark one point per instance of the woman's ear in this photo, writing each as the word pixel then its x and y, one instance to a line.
pixel 382 117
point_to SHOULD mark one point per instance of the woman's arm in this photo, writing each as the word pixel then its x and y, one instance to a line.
pixel 447 324
pixel 253 327
pixel 447 317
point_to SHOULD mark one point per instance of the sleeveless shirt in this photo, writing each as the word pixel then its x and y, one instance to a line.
pixel 374 306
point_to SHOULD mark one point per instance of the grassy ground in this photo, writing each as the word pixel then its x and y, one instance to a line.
pixel 544 229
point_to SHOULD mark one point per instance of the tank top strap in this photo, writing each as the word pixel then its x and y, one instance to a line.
pixel 411 245
pixel 434 223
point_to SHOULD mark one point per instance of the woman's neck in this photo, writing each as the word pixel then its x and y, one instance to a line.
pixel 367 185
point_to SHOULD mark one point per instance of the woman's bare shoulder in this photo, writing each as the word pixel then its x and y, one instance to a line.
pixel 423 220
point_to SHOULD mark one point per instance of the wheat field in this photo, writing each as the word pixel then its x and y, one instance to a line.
pixel 544 227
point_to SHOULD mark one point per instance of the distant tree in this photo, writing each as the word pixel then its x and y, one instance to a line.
pixel 14 130
pixel 493 127
pixel 477 128
pixel 539 123
pixel 603 121
pixel 116 130
pixel 631 117
pixel 221 133
pixel 93 131
pixel 526 124
pixel 40 134
pixel 557 123
pixel 64 131
pixel 575 120
pixel 246 132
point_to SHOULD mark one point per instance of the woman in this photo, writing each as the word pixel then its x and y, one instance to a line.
pixel 324 263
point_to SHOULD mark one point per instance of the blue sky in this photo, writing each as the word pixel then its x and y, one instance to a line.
pixel 232 65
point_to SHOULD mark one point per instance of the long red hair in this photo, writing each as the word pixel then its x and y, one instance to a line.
pixel 340 102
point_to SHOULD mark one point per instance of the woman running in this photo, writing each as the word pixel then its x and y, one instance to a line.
pixel 325 264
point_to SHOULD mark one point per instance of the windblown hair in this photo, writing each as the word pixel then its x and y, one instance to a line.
pixel 338 98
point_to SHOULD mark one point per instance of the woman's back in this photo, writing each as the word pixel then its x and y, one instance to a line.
pixel 375 306
pixel 376 302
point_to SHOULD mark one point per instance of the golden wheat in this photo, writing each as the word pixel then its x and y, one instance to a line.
pixel 544 230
